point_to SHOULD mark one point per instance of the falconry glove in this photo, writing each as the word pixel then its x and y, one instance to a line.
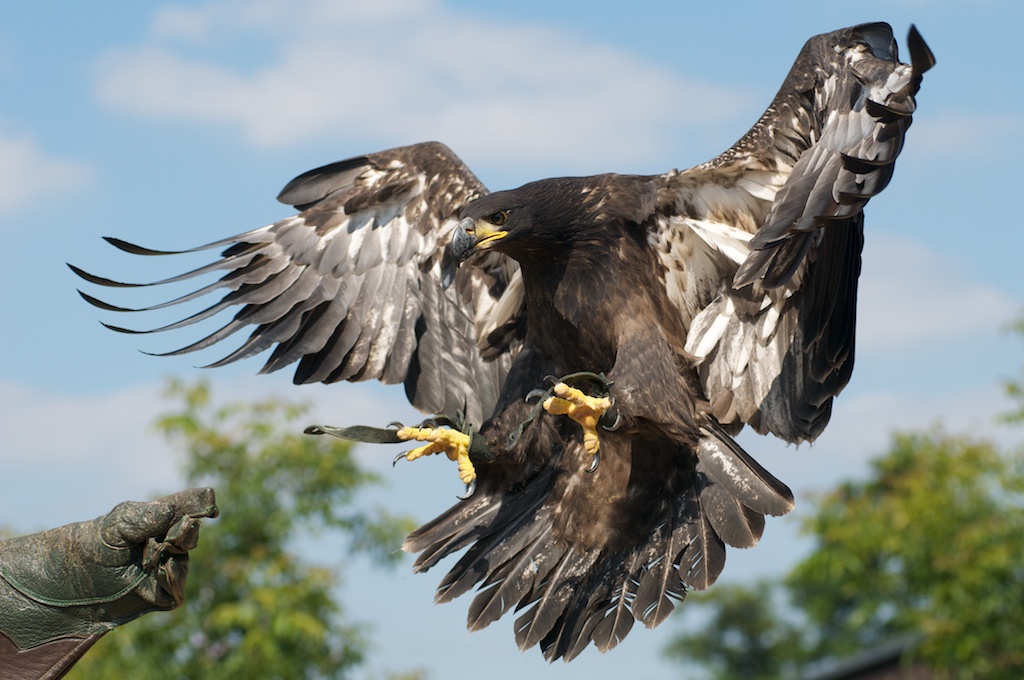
pixel 61 589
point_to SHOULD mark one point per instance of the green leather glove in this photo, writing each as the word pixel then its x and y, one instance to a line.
pixel 80 580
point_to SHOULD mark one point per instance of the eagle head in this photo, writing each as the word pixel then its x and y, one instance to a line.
pixel 496 221
pixel 507 221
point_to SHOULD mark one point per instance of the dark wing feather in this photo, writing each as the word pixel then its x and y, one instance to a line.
pixel 781 217
pixel 350 287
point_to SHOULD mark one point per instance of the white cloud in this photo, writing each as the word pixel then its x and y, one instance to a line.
pixel 67 457
pixel 54 429
pixel 70 457
pixel 406 70
pixel 911 294
pixel 28 174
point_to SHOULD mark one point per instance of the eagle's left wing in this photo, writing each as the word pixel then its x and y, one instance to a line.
pixel 351 287
pixel 781 212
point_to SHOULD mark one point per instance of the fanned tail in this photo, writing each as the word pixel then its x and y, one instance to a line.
pixel 518 555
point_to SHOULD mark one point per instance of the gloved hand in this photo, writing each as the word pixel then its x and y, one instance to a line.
pixel 83 579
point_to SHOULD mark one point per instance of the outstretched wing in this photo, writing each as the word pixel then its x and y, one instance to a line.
pixel 351 289
pixel 780 216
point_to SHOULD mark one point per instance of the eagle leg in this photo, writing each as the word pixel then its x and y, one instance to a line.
pixel 443 434
pixel 453 443
pixel 582 408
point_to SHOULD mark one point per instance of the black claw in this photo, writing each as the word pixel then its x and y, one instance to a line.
pixel 611 419
pixel 537 395
pixel 596 379
pixel 470 490
pixel 594 463
pixel 440 420
pixel 399 457
pixel 394 424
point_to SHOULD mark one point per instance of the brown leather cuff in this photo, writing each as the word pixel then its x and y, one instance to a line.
pixel 48 661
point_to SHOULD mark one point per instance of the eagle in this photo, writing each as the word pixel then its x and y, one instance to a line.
pixel 589 346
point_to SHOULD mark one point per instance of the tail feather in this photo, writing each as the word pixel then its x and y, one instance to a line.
pixel 599 611
pixel 734 522
pixel 499 547
pixel 576 622
pixel 614 622
pixel 521 556
pixel 539 620
pixel 659 585
pixel 702 560
pixel 658 574
pixel 742 477
pixel 449 533
pixel 482 515
pixel 511 583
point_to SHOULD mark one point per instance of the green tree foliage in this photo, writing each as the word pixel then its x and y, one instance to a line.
pixel 931 545
pixel 744 638
pixel 254 608
pixel 1015 388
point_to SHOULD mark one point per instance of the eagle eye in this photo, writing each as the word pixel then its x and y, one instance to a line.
pixel 499 218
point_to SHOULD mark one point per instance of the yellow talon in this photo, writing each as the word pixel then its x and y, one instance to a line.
pixel 582 408
pixel 452 443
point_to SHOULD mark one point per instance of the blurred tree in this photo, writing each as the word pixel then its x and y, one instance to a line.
pixel 930 546
pixel 745 637
pixel 1015 388
pixel 254 608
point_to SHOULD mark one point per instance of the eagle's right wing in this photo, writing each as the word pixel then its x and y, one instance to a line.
pixel 783 212
pixel 351 287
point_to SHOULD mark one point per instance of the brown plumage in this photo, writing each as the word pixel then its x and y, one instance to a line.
pixel 711 298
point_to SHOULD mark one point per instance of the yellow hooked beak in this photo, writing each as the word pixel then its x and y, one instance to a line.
pixel 485 233
pixel 471 235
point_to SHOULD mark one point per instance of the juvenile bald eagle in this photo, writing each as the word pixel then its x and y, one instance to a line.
pixel 675 309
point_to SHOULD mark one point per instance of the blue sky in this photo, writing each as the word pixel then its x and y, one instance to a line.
pixel 173 124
